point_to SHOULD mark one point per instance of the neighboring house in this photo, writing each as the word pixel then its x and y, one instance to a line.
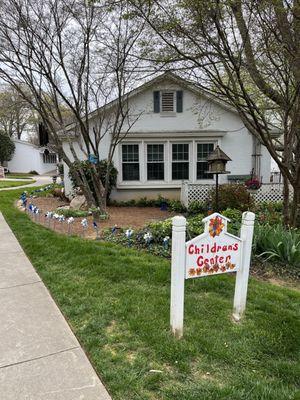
pixel 178 127
pixel 29 157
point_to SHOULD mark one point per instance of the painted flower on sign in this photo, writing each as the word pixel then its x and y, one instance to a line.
pixel 215 226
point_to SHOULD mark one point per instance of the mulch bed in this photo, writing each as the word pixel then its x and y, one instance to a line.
pixel 122 217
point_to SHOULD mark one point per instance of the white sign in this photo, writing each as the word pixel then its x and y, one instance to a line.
pixel 214 252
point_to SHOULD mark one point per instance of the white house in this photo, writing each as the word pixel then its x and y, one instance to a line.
pixel 29 157
pixel 178 127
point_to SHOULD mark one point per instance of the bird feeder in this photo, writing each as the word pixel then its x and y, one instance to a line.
pixel 217 161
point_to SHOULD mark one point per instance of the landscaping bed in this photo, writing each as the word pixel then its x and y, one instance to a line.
pixel 117 301
pixel 122 217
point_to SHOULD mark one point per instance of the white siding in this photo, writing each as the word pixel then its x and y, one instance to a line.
pixel 28 157
pixel 202 120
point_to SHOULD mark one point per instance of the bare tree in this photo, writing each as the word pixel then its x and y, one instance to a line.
pixel 247 53
pixel 74 56
pixel 16 115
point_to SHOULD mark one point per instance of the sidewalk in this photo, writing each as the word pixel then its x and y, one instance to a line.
pixel 39 181
pixel 40 358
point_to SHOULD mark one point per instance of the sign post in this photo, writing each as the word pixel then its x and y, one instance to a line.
pixel 177 275
pixel 242 275
pixel 215 251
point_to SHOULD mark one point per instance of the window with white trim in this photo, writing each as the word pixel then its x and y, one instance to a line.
pixel 155 162
pixel 203 151
pixel 130 162
pixel 180 161
pixel 49 158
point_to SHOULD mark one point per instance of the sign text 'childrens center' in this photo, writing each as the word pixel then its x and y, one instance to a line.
pixel 215 251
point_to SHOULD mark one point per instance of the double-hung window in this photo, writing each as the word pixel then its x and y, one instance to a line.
pixel 180 161
pixel 130 162
pixel 203 151
pixel 155 162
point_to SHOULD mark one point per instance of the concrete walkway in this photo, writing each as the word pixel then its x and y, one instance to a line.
pixel 40 358
pixel 40 180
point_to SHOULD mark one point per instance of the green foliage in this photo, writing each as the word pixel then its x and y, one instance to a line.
pixel 232 196
pixel 160 229
pixel 278 244
pixel 87 167
pixel 60 168
pixel 7 148
pixel 176 206
pixel 172 205
pixel 7 184
pixel 72 213
pixel 195 226
pixel 197 207
pixel 233 214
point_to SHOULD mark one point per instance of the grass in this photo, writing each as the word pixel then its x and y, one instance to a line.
pixel 8 184
pixel 18 175
pixel 117 302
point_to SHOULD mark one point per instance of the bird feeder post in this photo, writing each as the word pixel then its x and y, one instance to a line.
pixel 217 161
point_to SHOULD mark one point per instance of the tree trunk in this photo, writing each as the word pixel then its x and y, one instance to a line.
pixel 286 202
pixel 295 209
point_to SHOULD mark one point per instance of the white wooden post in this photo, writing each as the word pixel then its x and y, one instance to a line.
pixel 177 275
pixel 242 275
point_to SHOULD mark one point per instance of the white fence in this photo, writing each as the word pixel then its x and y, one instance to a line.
pixel 196 192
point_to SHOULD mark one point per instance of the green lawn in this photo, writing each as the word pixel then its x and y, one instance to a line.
pixel 8 184
pixel 18 175
pixel 117 302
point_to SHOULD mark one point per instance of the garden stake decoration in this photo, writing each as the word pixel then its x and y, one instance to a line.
pixel 166 241
pixel 37 214
pixel 61 219
pixel 49 215
pixel 128 234
pixel 55 218
pixel 24 199
pixel 213 252
pixel 95 226
pixel 70 222
pixel 148 238
pixel 84 224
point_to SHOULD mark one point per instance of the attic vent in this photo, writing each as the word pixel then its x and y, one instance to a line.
pixel 167 102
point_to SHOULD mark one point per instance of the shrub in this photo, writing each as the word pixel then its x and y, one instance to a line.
pixel 160 229
pixel 232 196
pixel 197 207
pixel 33 172
pixel 7 148
pixel 72 213
pixel 253 184
pixel 87 168
pixel 176 206
pixel 194 226
pixel 278 244
pixel 233 214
